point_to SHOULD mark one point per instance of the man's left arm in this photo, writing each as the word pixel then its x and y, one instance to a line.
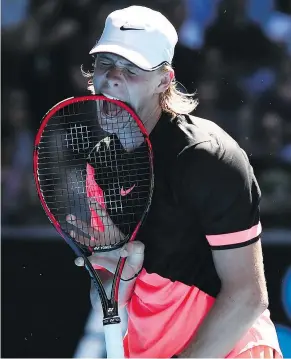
pixel 228 204
pixel 243 297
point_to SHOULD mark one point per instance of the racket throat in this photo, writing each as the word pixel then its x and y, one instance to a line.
pixel 110 313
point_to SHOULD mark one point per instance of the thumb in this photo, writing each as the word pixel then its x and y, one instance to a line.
pixel 133 248
pixel 134 251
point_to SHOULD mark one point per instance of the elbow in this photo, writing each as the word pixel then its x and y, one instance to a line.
pixel 251 297
pixel 257 300
pixel 262 302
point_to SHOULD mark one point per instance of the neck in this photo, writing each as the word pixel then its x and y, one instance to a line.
pixel 150 116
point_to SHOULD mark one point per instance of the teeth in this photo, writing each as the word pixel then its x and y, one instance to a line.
pixel 111 97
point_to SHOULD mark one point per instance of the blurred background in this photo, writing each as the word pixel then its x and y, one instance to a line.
pixel 235 54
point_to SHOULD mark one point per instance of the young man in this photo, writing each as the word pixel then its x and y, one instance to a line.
pixel 201 291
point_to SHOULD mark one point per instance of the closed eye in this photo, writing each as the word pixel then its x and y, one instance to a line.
pixel 131 72
pixel 105 63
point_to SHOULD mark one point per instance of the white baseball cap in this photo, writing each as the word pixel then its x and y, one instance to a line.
pixel 141 35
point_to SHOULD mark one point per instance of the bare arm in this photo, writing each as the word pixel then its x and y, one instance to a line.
pixel 242 299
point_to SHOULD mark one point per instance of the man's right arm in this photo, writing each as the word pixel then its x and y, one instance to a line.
pixel 134 252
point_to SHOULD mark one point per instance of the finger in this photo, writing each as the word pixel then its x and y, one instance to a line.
pixel 135 253
pixel 112 234
pixel 83 226
pixel 105 260
pixel 107 238
pixel 92 242
pixel 135 247
pixel 78 237
pixel 102 213
pixel 79 262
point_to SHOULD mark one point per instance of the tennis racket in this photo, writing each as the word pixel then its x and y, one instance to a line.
pixel 93 164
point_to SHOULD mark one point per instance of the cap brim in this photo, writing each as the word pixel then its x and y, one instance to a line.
pixel 135 57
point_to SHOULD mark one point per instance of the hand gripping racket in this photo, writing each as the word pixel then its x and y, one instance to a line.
pixel 93 169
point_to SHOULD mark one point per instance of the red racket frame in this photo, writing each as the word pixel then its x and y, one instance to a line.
pixel 110 307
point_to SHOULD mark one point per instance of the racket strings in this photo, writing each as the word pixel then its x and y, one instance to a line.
pixel 83 155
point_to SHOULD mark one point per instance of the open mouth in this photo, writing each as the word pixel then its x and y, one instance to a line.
pixel 110 109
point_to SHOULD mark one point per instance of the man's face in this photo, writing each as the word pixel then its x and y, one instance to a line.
pixel 116 77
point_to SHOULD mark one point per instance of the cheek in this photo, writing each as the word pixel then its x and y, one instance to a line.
pixel 140 93
pixel 140 88
pixel 137 95
pixel 97 80
pixel 96 84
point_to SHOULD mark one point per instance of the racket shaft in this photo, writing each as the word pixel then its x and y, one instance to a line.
pixel 114 340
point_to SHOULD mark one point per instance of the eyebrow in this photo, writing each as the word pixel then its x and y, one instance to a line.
pixel 128 63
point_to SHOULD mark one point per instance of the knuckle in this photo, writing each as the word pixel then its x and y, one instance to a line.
pixel 138 246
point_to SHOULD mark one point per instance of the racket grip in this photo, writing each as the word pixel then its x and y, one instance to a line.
pixel 114 340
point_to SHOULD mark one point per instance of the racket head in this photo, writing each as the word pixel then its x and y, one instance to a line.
pixel 93 159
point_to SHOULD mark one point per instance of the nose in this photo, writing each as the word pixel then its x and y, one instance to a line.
pixel 114 77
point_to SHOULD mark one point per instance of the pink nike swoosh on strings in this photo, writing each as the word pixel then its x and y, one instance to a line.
pixel 126 192
pixel 94 191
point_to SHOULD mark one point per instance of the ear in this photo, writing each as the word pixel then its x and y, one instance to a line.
pixel 165 81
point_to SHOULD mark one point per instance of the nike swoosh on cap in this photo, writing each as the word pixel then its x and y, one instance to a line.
pixel 125 28
pixel 126 192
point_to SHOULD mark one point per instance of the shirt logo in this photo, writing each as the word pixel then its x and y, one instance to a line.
pixel 124 192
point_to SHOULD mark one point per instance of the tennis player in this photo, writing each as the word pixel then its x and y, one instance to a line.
pixel 194 281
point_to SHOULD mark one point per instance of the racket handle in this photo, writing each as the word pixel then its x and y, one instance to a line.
pixel 114 340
